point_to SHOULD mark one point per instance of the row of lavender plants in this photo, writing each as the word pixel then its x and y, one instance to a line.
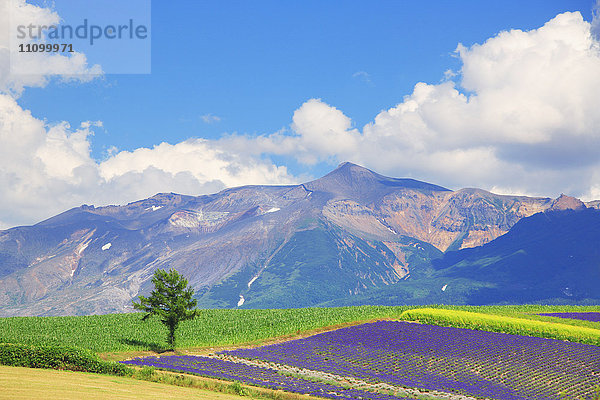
pixel 258 376
pixel 585 316
pixel 477 363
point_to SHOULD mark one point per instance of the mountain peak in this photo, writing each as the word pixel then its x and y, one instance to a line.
pixel 349 170
pixel 352 180
pixel 564 202
pixel 348 164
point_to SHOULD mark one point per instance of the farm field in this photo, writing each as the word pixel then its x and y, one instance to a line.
pixel 17 383
pixel 126 333
pixel 271 378
pixel 118 333
pixel 556 329
pixel 387 359
pixel 583 316
pixel 402 354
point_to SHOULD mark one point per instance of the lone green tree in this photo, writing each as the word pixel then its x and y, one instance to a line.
pixel 171 300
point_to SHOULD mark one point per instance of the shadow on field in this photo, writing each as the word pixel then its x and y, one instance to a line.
pixel 152 346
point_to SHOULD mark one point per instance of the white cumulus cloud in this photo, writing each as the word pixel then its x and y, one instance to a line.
pixel 522 116
pixel 202 159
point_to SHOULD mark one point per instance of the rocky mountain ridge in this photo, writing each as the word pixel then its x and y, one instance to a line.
pixel 348 232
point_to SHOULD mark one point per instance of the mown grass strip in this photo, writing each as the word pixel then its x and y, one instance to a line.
pixel 504 324
pixel 17 383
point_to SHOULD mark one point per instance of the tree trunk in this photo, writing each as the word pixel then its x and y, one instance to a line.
pixel 172 336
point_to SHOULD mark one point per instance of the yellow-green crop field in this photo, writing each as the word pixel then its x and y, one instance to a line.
pixel 506 324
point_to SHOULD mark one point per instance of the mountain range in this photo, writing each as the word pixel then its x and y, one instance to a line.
pixel 350 237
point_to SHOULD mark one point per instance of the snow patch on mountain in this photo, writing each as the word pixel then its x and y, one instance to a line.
pixel 252 281
pixel 82 247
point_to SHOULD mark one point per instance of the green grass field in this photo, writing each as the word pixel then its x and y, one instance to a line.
pixel 126 332
pixel 121 333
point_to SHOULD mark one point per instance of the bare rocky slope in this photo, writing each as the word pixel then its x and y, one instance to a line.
pixel 343 235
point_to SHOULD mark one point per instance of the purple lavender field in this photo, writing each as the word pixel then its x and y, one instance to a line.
pixel 479 363
pixel 258 376
pixel 401 354
pixel 585 316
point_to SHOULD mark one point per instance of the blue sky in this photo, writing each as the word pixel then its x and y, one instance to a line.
pixel 242 70
pixel 252 63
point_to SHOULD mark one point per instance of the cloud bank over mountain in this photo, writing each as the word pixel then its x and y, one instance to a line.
pixel 520 116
